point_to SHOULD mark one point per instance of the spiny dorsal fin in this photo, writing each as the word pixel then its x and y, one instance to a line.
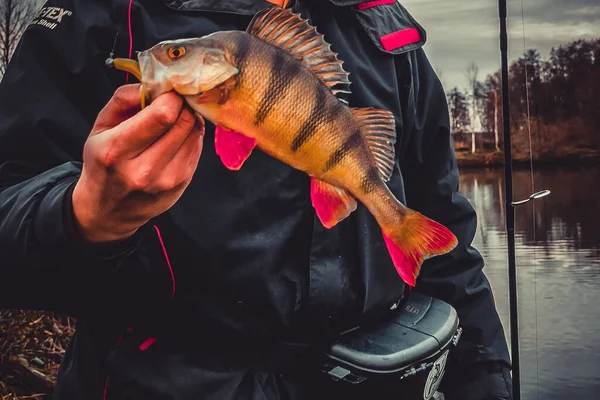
pixel 379 130
pixel 292 33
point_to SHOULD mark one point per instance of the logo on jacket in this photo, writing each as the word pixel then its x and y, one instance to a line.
pixel 51 17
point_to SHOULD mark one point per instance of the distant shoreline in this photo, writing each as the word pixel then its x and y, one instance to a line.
pixel 485 160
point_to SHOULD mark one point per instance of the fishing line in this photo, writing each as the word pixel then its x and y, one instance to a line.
pixel 130 31
pixel 533 203
pixel 111 56
pixel 511 204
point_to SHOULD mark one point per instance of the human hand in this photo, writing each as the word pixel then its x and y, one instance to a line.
pixel 136 164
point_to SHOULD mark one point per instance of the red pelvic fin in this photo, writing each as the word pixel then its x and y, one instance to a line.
pixel 331 203
pixel 233 147
pixel 416 239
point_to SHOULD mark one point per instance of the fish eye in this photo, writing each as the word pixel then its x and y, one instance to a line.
pixel 176 52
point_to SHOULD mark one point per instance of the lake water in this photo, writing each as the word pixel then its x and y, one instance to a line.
pixel 558 272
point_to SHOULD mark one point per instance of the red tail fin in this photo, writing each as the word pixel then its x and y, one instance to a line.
pixel 416 239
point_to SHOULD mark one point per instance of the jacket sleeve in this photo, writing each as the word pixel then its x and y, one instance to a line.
pixel 50 95
pixel 429 167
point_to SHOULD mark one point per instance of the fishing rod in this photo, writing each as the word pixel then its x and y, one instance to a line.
pixel 510 206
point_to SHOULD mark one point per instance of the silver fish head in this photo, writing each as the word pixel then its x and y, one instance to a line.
pixel 188 66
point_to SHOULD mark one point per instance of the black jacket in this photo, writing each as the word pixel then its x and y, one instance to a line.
pixel 246 259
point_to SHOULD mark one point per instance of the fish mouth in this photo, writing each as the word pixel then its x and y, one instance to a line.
pixel 128 65
pixel 200 89
pixel 132 67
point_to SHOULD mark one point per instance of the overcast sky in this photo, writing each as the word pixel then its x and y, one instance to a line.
pixel 461 31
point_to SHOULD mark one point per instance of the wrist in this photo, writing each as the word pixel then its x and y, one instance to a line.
pixel 90 229
pixel 103 249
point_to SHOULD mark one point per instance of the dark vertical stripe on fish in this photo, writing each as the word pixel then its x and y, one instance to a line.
pixel 317 116
pixel 241 55
pixel 282 75
pixel 352 142
pixel 370 181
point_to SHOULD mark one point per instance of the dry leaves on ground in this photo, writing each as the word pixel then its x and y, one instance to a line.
pixel 32 344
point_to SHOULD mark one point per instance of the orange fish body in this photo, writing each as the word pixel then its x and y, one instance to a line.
pixel 276 87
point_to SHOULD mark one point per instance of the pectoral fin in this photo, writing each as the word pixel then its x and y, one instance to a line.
pixel 331 203
pixel 233 147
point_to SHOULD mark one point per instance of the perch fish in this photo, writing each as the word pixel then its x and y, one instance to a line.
pixel 276 87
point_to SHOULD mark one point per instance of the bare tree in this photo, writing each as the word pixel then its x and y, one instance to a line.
pixel 15 16
pixel 494 87
pixel 472 74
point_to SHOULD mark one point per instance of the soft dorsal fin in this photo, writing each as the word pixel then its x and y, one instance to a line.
pixel 290 32
pixel 379 130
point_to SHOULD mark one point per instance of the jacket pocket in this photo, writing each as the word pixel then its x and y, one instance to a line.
pixel 389 25
pixel 240 7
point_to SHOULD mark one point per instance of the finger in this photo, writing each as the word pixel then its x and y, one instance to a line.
pixel 159 153
pixel 124 103
pixel 181 167
pixel 136 134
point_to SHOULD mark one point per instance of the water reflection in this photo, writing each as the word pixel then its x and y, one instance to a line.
pixel 558 261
